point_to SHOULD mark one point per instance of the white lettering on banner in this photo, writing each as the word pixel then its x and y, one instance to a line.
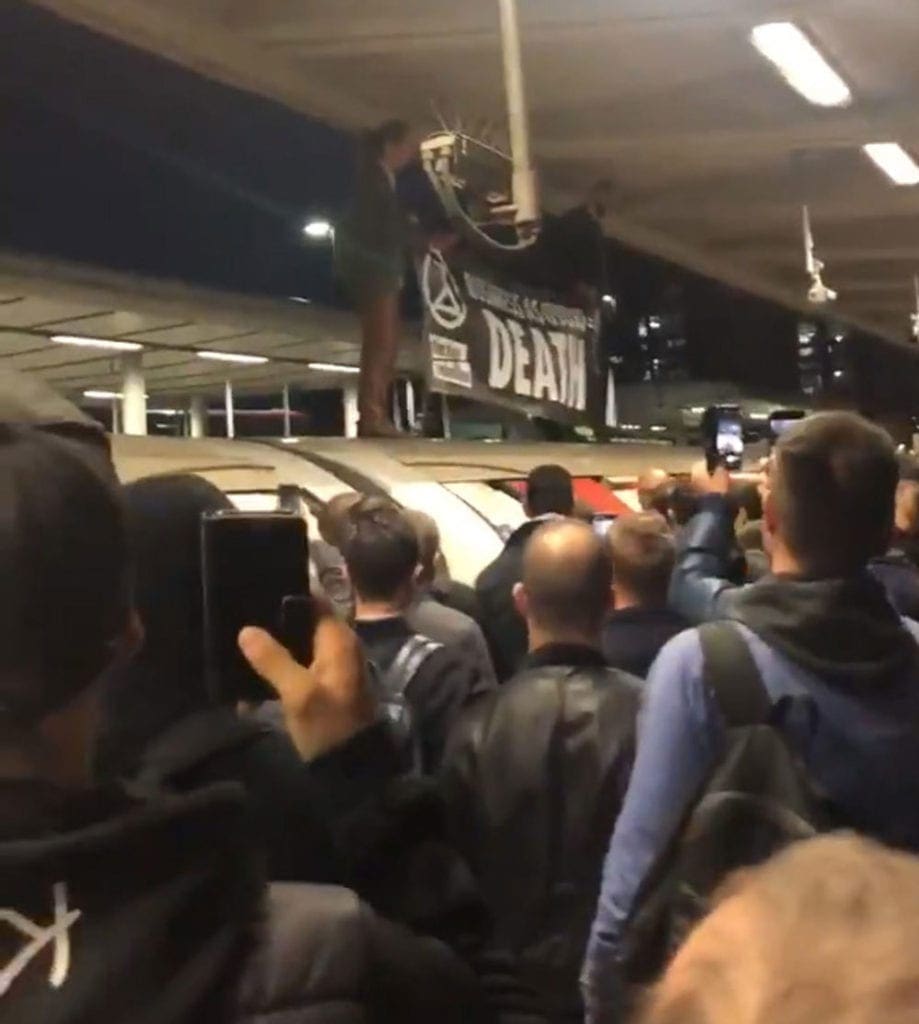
pixel 57 932
pixel 578 377
pixel 560 344
pixel 522 384
pixel 552 369
pixel 450 361
pixel 545 383
pixel 501 356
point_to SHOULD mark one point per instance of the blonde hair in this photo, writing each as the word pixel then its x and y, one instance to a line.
pixel 835 940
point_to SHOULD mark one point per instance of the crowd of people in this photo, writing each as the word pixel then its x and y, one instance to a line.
pixel 663 773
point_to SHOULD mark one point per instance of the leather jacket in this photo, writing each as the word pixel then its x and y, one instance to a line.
pixel 535 775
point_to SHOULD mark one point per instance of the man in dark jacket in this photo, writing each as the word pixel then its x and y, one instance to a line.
pixel 536 772
pixel 643 553
pixel 382 555
pixel 121 908
pixel 550 493
pixel 840 666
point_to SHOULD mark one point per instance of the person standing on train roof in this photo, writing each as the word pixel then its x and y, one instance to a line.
pixel 370 253
pixel 371 247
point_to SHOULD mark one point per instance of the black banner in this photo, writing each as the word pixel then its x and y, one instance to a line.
pixel 499 342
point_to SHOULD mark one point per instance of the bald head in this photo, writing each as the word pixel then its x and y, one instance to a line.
pixel 567 581
pixel 652 484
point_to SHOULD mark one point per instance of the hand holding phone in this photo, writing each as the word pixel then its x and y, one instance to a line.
pixel 324 703
pixel 255 572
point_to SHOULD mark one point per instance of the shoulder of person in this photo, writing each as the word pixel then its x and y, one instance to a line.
pixel 311 946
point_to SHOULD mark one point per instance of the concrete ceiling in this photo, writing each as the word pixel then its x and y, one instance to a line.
pixel 39 298
pixel 711 152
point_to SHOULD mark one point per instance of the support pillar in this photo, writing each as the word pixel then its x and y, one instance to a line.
pixel 134 395
pixel 197 417
pixel 349 402
pixel 285 399
pixel 231 420
pixel 116 415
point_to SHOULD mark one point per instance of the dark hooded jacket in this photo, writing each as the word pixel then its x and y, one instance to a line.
pixel 156 911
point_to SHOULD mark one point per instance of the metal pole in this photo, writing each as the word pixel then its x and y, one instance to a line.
pixel 116 415
pixel 525 196
pixel 134 396
pixel 197 417
pixel 285 397
pixel 228 399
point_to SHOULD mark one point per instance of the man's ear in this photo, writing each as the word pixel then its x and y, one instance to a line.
pixel 522 601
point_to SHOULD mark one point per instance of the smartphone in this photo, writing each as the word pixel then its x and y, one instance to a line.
pixel 255 572
pixel 782 420
pixel 289 499
pixel 722 427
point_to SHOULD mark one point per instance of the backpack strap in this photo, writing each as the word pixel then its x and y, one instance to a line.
pixel 409 659
pixel 732 675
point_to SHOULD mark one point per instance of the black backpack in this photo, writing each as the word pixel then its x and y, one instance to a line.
pixel 391 686
pixel 757 801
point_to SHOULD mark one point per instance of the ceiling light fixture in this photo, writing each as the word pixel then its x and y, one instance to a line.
pixel 107 343
pixel 102 396
pixel 319 230
pixel 894 161
pixel 801 64
pixel 231 357
pixel 333 368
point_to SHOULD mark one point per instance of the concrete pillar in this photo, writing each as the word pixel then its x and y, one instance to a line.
pixel 285 401
pixel 349 401
pixel 197 417
pixel 134 396
pixel 228 399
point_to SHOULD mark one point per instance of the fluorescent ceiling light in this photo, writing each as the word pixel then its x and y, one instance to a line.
pixel 231 357
pixel 301 299
pixel 165 412
pixel 334 368
pixel 102 396
pixel 109 343
pixel 801 64
pixel 320 230
pixel 894 161
pixel 290 440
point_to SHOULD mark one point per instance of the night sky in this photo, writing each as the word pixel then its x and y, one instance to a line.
pixel 112 156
